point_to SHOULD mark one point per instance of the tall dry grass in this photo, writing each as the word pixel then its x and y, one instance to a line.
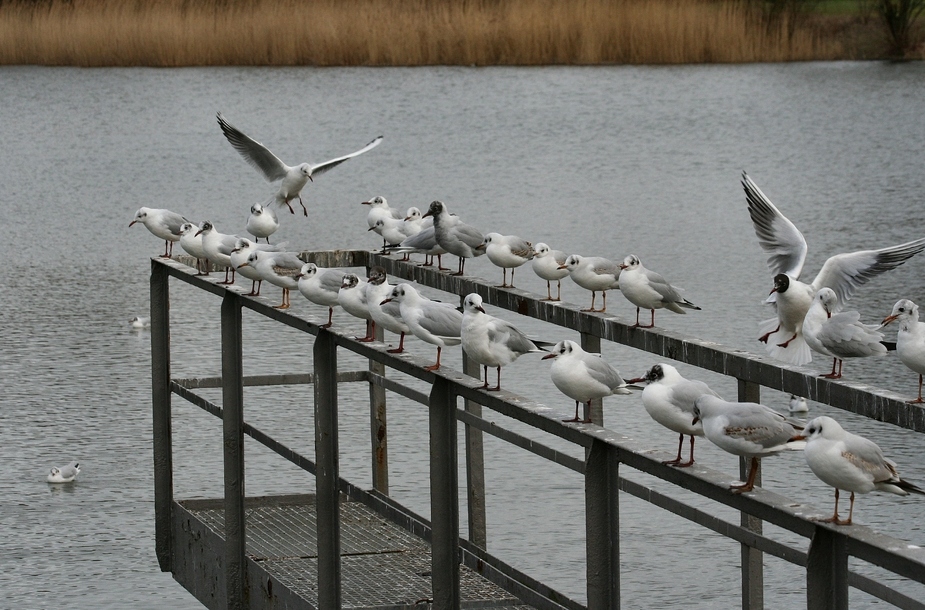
pixel 394 32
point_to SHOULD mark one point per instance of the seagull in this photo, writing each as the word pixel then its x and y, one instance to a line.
pixel 352 297
pixel 387 316
pixel 798 404
pixel 139 322
pixel 549 265
pixel 391 230
pixel 455 236
pixel 243 248
pixel 746 429
pixel 787 249
pixel 583 376
pixel 321 286
pixel 850 462
pixel 415 221
pixel 910 338
pixel 507 252
pixel 293 178
pixel 218 247
pixel 593 273
pixel 191 242
pixel 669 399
pixel 491 341
pixel 839 335
pixel 379 208
pixel 65 474
pixel 278 268
pixel 162 223
pixel 431 321
pixel 425 242
pixel 647 289
pixel 262 222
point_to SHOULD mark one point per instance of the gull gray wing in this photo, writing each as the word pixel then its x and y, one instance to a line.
pixel 256 154
pixel 320 168
pixel 785 245
pixel 522 248
pixel 867 456
pixel 602 372
pixel 173 222
pixel 331 280
pixel 441 319
pixel 662 287
pixel 685 393
pixel 468 234
pixel 759 424
pixel 500 331
pixel 287 263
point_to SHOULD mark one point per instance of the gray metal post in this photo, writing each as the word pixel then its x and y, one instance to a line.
pixel 233 442
pixel 752 559
pixel 827 571
pixel 602 523
pixel 327 463
pixel 160 398
pixel 591 343
pixel 475 465
pixel 444 498
pixel 378 428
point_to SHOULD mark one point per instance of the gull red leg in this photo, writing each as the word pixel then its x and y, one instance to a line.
pixel 576 414
pixel 436 366
pixel 919 399
pixel 677 460
pixel 330 316
pixel 764 338
pixel 689 462
pixel 498 386
pixel 750 483
pixel 401 346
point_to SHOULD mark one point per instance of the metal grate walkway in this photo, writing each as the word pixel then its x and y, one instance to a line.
pixel 383 566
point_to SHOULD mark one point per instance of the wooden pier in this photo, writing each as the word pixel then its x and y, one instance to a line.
pixel 347 547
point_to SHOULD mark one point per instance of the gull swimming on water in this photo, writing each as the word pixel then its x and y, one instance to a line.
pixel 850 462
pixel 321 286
pixel 262 222
pixel 839 335
pixel 550 266
pixel 436 323
pixel 593 273
pixel 65 474
pixel 583 376
pixel 787 249
pixel 293 178
pixel 647 289
pixel 162 223
pixel 491 341
pixel 910 338
pixel 139 322
pixel 507 252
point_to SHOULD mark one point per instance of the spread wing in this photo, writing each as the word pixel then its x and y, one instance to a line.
pixel 785 245
pixel 256 154
pixel 320 168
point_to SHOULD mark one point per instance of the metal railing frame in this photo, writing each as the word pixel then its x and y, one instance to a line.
pixel 826 562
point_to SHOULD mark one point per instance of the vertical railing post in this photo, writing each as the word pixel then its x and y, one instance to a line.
pixel 378 425
pixel 475 465
pixel 827 571
pixel 160 398
pixel 752 558
pixel 233 452
pixel 326 479
pixel 602 523
pixel 444 497
pixel 592 343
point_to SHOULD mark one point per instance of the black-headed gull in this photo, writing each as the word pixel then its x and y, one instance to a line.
pixel 243 248
pixel 910 338
pixel 140 322
pixel 648 290
pixel 425 242
pixel 550 265
pixel 352 298
pixel 583 376
pixel 218 247
pixel 839 335
pixel 262 222
pixel 797 404
pixel 593 273
pixel 746 429
pixel 191 242
pixel 65 474
pixel 162 223
pixel 786 248
pixel 293 178
pixel 507 252
pixel 321 286
pixel 669 399
pixel 455 236
pixel 431 321
pixel 491 341
pixel 387 316
pixel 850 462
pixel 279 268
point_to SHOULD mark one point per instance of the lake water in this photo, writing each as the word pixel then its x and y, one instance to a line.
pixel 601 161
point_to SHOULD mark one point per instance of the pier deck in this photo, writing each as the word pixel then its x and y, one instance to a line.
pixel 383 565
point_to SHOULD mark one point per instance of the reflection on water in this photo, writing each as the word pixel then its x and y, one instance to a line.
pixel 597 161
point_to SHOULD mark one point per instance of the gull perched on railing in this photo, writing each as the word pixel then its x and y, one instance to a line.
pixel 278 268
pixel 162 223
pixel 839 335
pixel 649 290
pixel 593 273
pixel 583 376
pixel 387 316
pixel 910 338
pixel 321 286
pixel 431 321
pixel 262 222
pixel 191 242
pixel 549 265
pixel 507 252
pixel 455 236
pixel 352 297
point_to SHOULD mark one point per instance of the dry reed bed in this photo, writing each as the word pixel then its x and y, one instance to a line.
pixel 394 32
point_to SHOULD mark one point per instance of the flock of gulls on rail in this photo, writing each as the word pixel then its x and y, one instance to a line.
pixel 809 316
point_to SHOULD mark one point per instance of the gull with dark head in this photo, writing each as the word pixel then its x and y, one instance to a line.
pixel 243 248
pixel 162 223
pixel 387 316
pixel 583 376
pixel 321 286
pixel 649 290
pixel 593 273
pixel 217 247
pixel 910 338
pixel 352 297
pixel 431 321
pixel 191 242
pixel 65 474
pixel 786 248
pixel 293 178
pixel 279 268
pixel 839 335
pixel 455 236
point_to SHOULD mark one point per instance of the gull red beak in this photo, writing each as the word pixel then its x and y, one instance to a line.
pixel 386 301
pixel 133 222
pixel 480 309
pixel 548 356
pixel 370 229
pixel 887 320
pixel 696 419
pixel 242 265
pixel 197 233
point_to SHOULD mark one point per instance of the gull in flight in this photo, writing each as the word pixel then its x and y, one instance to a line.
pixel 786 248
pixel 647 289
pixel 507 252
pixel 746 429
pixel 839 335
pixel 65 474
pixel 593 273
pixel 550 266
pixel 850 462
pixel 910 338
pixel 583 376
pixel 669 399
pixel 293 178
pixel 162 223
pixel 491 341
pixel 431 321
